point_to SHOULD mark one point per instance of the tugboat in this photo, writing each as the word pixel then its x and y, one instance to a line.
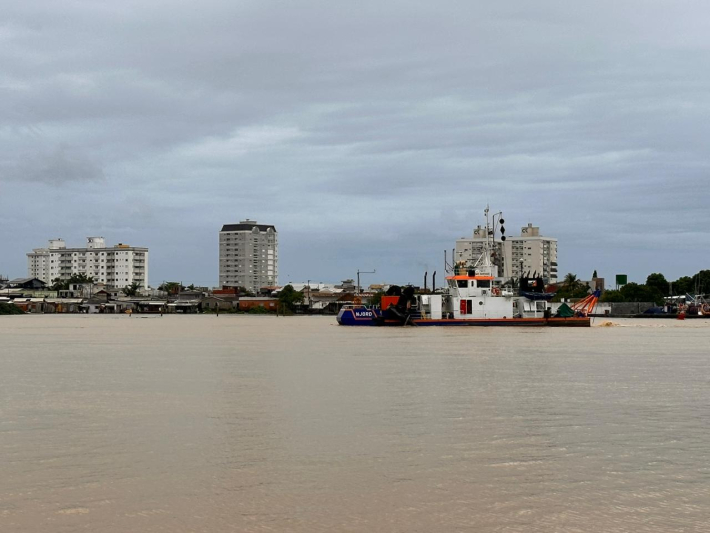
pixel 474 296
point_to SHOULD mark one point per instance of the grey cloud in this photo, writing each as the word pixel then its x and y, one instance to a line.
pixel 56 167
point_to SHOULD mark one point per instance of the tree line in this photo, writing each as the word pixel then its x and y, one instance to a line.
pixel 59 284
pixel 656 288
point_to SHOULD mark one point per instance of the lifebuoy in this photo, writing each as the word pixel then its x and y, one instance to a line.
pixel 706 309
pixel 496 291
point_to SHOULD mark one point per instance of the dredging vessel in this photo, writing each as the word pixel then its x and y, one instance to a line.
pixel 474 296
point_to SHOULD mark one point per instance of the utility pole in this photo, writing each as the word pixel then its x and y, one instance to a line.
pixel 359 290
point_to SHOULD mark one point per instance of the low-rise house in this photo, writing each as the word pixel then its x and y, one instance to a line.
pixel 84 290
pixel 30 305
pixel 185 306
pixel 151 306
pixel 186 302
pixel 249 302
pixel 268 290
pixel 101 296
pixel 94 306
pixel 27 283
pixel 13 293
pixel 119 306
pixel 214 303
pixel 63 305
pixel 190 296
pixel 226 291
pixel 347 285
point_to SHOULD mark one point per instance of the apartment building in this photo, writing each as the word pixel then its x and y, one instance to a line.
pixel 248 255
pixel 116 266
pixel 529 252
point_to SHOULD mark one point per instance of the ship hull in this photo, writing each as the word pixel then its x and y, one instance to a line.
pixel 502 322
pixel 373 317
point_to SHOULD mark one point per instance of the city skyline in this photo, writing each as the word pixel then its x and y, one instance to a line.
pixel 371 137
pixel 381 276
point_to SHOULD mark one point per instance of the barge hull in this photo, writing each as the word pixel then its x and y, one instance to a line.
pixel 506 322
pixel 349 317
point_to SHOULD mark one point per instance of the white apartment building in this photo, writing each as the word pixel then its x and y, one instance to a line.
pixel 248 255
pixel 116 266
pixel 531 251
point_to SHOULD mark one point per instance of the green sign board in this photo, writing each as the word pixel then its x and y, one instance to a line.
pixel 622 279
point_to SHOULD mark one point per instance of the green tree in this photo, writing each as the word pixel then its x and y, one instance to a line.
pixel 10 309
pixel 132 289
pixel 80 278
pixel 683 286
pixel 571 283
pixel 289 298
pixel 580 291
pixel 171 287
pixel 659 282
pixel 59 284
pixel 571 288
pixel 701 282
pixel 633 292
pixel 612 296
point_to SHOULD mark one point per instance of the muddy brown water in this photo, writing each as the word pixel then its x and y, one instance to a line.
pixel 253 423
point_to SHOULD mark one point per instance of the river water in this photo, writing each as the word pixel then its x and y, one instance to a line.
pixel 264 424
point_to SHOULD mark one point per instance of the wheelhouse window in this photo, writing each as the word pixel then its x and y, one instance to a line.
pixel 462 283
pixel 484 283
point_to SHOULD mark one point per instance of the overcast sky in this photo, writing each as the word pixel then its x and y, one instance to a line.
pixel 371 134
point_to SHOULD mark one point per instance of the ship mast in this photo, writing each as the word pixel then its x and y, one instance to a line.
pixel 484 264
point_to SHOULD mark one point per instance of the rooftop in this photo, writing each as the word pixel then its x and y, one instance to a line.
pixel 247 225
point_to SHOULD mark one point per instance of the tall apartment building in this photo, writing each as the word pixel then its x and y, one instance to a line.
pixel 116 266
pixel 248 255
pixel 531 251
